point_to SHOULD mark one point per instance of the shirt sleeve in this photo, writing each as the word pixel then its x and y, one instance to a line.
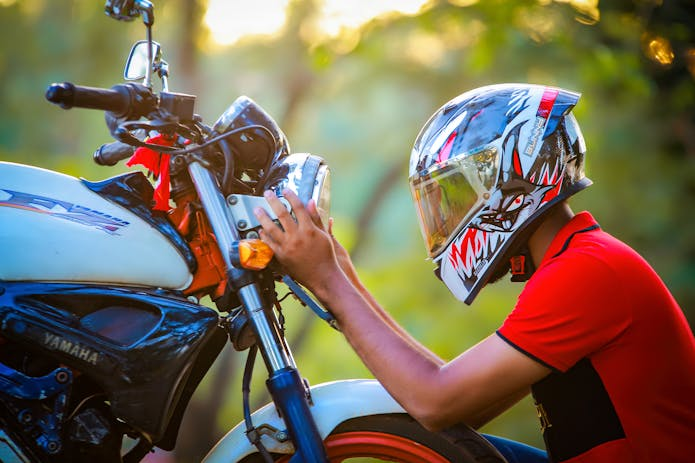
pixel 568 310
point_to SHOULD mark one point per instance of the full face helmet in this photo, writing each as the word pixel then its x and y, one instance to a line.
pixel 485 168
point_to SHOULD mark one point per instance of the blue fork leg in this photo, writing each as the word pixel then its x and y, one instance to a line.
pixel 289 396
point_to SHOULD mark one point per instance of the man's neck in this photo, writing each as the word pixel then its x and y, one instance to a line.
pixel 539 242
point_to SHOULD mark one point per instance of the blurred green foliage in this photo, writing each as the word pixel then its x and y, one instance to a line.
pixel 359 100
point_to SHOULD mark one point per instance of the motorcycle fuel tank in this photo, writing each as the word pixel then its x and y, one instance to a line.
pixel 53 227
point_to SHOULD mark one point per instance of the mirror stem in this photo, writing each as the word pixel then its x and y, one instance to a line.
pixel 150 59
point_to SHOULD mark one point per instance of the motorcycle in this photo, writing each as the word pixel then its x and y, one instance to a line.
pixel 99 357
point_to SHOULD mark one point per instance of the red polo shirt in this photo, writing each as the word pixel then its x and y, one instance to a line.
pixel 622 353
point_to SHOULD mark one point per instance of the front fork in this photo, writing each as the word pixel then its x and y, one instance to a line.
pixel 284 382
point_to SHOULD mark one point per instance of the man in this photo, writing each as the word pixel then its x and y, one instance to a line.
pixel 595 335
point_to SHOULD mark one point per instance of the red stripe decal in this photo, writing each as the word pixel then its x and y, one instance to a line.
pixel 446 149
pixel 547 102
pixel 517 163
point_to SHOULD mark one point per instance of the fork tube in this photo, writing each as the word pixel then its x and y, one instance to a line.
pixel 222 223
pixel 215 208
pixel 268 337
pixel 284 383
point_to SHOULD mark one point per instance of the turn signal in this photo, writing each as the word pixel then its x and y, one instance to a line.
pixel 253 254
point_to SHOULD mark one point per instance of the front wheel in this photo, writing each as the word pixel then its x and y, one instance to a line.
pixel 399 438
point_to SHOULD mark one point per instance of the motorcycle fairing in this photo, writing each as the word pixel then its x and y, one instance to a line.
pixel 148 350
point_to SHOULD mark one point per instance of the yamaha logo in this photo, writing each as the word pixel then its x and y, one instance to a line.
pixel 73 349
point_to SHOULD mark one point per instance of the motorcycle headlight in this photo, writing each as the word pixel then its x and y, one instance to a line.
pixel 309 177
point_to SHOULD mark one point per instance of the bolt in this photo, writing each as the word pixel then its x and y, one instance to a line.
pixel 52 446
pixel 232 200
pixel 252 235
pixel 62 376
pixel 242 224
pixel 25 417
pixel 281 436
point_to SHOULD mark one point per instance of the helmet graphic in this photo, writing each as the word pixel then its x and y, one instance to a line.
pixel 484 168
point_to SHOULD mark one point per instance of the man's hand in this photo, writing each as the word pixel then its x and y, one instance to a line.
pixel 303 247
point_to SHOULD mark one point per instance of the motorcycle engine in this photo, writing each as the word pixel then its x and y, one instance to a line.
pixel 34 422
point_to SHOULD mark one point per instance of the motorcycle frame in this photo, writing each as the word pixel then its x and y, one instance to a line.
pixel 284 382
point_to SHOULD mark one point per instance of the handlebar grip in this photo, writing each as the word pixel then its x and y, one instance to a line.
pixel 68 95
pixel 110 153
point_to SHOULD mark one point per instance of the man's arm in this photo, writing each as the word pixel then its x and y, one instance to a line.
pixel 493 411
pixel 346 266
pixel 435 393
pixel 473 388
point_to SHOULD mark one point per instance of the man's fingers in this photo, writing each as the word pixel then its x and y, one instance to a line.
pixel 303 214
pixel 281 211
pixel 298 208
pixel 314 214
pixel 271 232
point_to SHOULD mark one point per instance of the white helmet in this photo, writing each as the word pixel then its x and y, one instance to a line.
pixel 484 168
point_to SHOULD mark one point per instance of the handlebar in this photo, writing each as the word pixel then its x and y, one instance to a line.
pixel 67 95
pixel 110 153
pixel 124 100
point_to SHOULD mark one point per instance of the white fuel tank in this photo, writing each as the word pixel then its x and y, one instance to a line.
pixel 54 228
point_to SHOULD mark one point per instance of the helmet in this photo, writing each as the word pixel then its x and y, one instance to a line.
pixel 484 168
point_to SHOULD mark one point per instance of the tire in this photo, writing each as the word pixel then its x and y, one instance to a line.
pixel 399 438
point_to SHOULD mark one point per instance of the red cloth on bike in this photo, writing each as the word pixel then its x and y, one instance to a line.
pixel 157 163
pixel 623 389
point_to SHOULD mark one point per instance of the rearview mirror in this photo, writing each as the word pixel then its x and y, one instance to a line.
pixel 138 65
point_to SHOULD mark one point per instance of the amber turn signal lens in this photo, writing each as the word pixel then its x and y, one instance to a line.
pixel 254 254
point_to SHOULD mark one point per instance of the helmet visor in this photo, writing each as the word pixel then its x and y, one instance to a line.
pixel 447 194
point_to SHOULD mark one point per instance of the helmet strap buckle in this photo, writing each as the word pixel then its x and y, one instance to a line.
pixel 522 266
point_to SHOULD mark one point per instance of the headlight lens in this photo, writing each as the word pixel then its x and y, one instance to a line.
pixel 322 194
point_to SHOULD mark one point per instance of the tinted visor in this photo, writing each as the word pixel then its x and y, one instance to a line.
pixel 447 194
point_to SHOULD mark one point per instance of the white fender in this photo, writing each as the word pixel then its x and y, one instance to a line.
pixel 333 403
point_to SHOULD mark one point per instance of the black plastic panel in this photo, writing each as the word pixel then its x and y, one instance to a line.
pixel 134 192
pixel 146 349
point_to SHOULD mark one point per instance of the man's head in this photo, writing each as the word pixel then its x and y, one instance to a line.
pixel 485 168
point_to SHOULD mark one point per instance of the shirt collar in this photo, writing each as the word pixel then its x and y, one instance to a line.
pixel 579 222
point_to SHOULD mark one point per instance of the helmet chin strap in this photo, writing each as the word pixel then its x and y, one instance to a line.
pixel 522 266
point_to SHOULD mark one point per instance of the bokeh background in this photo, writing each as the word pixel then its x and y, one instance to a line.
pixel 353 81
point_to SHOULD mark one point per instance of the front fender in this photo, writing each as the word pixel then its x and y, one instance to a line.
pixel 333 403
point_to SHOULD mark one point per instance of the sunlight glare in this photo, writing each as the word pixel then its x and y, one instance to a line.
pixel 659 49
pixel 230 20
pixel 587 8
pixel 337 14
